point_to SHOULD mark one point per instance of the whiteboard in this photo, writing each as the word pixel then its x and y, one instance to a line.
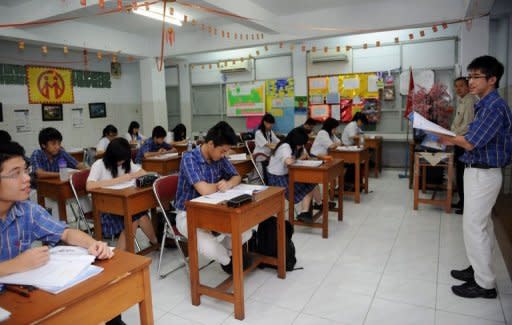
pixel 278 67
pixel 429 55
pixel 376 59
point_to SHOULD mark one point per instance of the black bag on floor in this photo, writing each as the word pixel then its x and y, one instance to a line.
pixel 266 242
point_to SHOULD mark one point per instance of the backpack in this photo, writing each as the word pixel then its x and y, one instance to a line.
pixel 266 242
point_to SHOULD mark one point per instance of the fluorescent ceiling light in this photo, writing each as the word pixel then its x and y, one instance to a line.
pixel 176 19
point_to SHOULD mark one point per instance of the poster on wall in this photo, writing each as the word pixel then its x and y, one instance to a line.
pixel 49 85
pixel 245 99
pixel 280 103
pixel 77 116
pixel 22 120
pixel 301 105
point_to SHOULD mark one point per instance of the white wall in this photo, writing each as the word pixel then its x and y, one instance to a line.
pixel 122 100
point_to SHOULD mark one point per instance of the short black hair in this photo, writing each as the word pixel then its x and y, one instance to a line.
pixel 465 79
pixel 180 132
pixel 158 132
pixel 311 121
pixel 49 134
pixel 133 125
pixel 296 137
pixel 109 129
pixel 221 134
pixel 329 124
pixel 9 150
pixel 360 117
pixel 489 66
pixel 118 150
pixel 5 136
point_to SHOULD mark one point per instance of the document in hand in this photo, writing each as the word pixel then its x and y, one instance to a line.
pixel 419 122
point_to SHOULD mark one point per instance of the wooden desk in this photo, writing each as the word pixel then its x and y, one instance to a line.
pixel 243 167
pixel 374 144
pixel 357 158
pixel 55 189
pixel 78 155
pixel 181 148
pixel 124 282
pixel 420 163
pixel 235 221
pixel 125 202
pixel 238 149
pixel 162 166
pixel 324 174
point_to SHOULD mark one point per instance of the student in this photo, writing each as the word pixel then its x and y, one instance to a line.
pixel 353 129
pixel 488 148
pixel 309 125
pixel 134 137
pixel 45 161
pixel 285 154
pixel 464 115
pixel 114 168
pixel 265 141
pixel 206 170
pixel 180 134
pixel 22 221
pixel 154 146
pixel 5 136
pixel 326 138
pixel 109 133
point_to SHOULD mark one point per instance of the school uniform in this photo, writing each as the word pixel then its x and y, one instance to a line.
pixel 350 131
pixel 39 160
pixel 139 138
pixel 102 144
pixel 322 143
pixel 278 173
pixel 150 146
pixel 111 224
pixel 194 168
pixel 491 135
pixel 261 140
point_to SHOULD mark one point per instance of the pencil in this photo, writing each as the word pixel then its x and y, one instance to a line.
pixel 17 291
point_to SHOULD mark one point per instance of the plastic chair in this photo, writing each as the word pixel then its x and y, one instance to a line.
pixel 77 182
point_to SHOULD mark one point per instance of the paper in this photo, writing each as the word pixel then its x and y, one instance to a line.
pixel 77 116
pixel 419 122
pixel 308 163
pixel 334 84
pixel 316 99
pixel 336 112
pixel 164 156
pixel 22 120
pixel 4 314
pixel 317 83
pixel 87 273
pixel 348 148
pixel 218 197
pixel 121 186
pixel 332 98
pixel 319 111
pixel 238 156
pixel 351 83
pixel 372 84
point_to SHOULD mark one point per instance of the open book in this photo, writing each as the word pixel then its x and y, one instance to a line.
pixel 238 156
pixel 218 197
pixel 419 122
pixel 164 156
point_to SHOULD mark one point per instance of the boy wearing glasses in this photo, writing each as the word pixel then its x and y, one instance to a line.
pixel 488 145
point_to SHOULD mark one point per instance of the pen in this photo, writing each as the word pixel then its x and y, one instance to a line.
pixel 17 291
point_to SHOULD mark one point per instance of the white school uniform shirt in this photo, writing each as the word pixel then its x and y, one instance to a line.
pixel 102 144
pixel 129 138
pixel 350 131
pixel 100 173
pixel 277 165
pixel 322 142
pixel 260 141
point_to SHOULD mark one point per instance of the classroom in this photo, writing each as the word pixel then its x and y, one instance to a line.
pixel 255 162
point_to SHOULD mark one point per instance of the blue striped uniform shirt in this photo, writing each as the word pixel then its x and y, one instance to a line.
pixel 25 223
pixel 194 169
pixel 490 133
pixel 150 146
pixel 39 160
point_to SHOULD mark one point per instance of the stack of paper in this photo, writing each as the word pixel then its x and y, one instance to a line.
pixel 348 148
pixel 165 156
pixel 308 163
pixel 66 267
pixel 239 156
pixel 218 197
pixel 121 186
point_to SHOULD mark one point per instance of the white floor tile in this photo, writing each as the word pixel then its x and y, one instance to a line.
pixel 409 291
pixel 445 318
pixel 304 319
pixel 384 312
pixel 170 318
pixel 210 311
pixel 262 313
pixel 291 294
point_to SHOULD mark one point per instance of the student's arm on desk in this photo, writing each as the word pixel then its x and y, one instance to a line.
pixel 78 238
pixel 41 173
pixel 204 188
pixel 91 185
pixel 28 260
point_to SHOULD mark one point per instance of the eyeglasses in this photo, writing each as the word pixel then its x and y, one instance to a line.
pixel 475 77
pixel 17 174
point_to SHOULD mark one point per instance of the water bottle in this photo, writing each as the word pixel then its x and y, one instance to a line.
pixel 63 172
pixel 189 146
pixel 361 141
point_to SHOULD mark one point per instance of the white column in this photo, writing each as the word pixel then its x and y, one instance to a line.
pixel 185 97
pixel 300 78
pixel 473 42
pixel 153 100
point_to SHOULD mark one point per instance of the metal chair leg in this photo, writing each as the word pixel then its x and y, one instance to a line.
pixel 162 248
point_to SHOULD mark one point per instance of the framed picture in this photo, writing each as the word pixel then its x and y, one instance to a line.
pixel 97 110
pixel 52 112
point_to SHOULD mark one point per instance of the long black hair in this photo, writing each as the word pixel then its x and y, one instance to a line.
pixel 133 125
pixel 330 124
pixel 269 118
pixel 118 150
pixel 109 129
pixel 296 137
pixel 180 132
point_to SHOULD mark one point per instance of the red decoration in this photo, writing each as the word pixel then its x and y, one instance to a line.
pixel 83 2
pixel 434 29
pixel 434 104
pixel 408 105
pixel 170 36
pixel 119 4
pixel 445 25
pixel 101 3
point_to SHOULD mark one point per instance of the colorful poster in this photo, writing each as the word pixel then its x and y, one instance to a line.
pixel 47 85
pixel 319 112
pixel 252 122
pixel 281 102
pixel 301 105
pixel 245 99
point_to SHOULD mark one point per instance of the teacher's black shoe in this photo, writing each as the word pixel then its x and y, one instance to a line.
pixel 471 289
pixel 464 275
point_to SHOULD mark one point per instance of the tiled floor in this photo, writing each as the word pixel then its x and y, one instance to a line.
pixel 384 264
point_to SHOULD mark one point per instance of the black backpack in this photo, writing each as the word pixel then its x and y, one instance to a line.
pixel 266 242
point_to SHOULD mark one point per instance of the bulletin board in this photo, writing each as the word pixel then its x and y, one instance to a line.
pixel 245 99
pixel 341 96
pixel 280 100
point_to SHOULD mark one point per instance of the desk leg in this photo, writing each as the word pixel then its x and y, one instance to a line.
pixel 62 209
pixel 325 209
pixel 357 194
pixel 128 229
pixel 146 305
pixel 416 183
pixel 378 157
pixel 97 221
pixel 193 258
pixel 238 280
pixel 366 175
pixel 340 194
pixel 281 248
pixel 291 196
